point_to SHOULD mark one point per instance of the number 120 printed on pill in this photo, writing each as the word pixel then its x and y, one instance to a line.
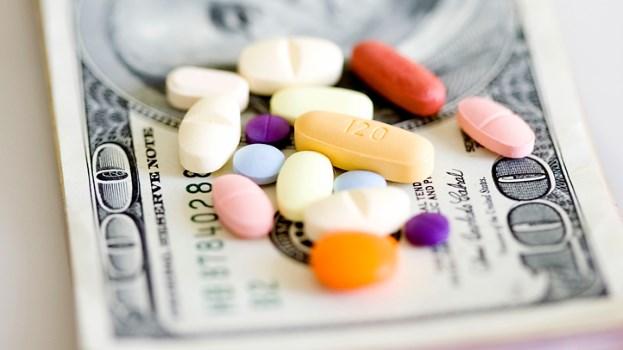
pixel 359 144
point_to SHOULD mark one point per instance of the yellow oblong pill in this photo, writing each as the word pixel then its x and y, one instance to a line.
pixel 292 102
pixel 353 143
pixel 304 178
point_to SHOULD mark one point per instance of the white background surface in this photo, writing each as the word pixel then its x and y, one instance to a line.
pixel 36 308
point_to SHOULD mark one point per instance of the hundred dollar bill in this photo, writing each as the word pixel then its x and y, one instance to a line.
pixel 535 245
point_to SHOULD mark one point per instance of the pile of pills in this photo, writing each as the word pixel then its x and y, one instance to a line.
pixel 350 218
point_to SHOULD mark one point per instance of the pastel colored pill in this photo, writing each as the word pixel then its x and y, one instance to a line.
pixel 258 162
pixel 379 211
pixel 427 229
pixel 495 127
pixel 242 206
pixel 305 177
pixel 399 79
pixel 357 179
pixel 358 144
pixel 349 260
pixel 273 64
pixel 269 129
pixel 209 134
pixel 293 102
pixel 186 85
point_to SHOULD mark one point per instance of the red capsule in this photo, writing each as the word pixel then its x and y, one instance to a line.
pixel 399 79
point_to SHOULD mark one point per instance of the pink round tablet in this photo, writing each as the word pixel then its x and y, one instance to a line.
pixel 495 127
pixel 242 206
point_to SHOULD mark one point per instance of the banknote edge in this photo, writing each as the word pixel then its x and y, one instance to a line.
pixel 554 112
pixel 57 22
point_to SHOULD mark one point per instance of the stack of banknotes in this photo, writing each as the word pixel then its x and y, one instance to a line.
pixel 535 246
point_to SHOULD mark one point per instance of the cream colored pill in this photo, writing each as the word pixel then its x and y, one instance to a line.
pixel 305 177
pixel 379 211
pixel 273 64
pixel 186 85
pixel 295 101
pixel 209 134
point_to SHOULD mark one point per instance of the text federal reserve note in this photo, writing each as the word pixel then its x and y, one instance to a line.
pixel 534 247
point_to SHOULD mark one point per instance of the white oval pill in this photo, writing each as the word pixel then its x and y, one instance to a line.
pixel 292 102
pixel 379 211
pixel 273 64
pixel 186 85
pixel 209 134
pixel 305 177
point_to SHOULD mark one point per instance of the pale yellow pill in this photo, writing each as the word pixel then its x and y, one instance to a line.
pixel 295 101
pixel 305 178
pixel 379 211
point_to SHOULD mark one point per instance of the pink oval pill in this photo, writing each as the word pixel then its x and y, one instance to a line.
pixel 242 206
pixel 495 127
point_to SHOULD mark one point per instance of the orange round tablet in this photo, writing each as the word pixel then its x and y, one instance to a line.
pixel 349 260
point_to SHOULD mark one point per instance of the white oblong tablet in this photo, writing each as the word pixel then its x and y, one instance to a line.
pixel 379 211
pixel 209 134
pixel 273 64
pixel 293 102
pixel 186 85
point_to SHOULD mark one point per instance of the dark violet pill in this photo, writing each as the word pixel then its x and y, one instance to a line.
pixel 427 229
pixel 268 129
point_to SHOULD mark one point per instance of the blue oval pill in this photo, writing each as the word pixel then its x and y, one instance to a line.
pixel 354 179
pixel 259 162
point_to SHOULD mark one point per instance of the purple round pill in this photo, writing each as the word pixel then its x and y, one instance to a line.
pixel 268 129
pixel 427 229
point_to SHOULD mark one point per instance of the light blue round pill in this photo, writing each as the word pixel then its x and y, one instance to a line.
pixel 354 179
pixel 259 162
